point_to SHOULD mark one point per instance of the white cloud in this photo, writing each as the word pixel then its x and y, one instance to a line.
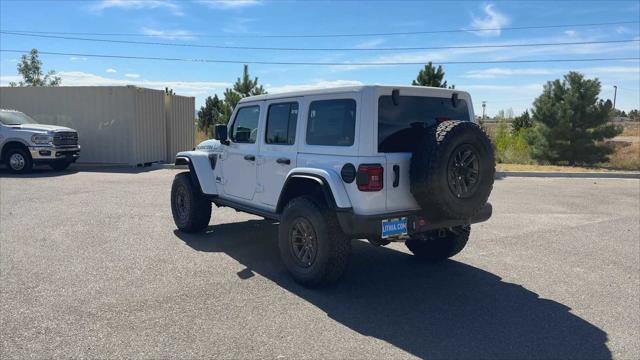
pixel 493 20
pixel 589 71
pixel 169 34
pixel 75 58
pixel 369 44
pixel 494 54
pixel 230 4
pixel 137 4
pixel 79 78
pixel 238 25
pixel 498 72
pixel 111 70
pixel 571 33
pixel 319 84
pixel 132 76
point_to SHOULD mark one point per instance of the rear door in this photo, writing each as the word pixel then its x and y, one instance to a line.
pixel 278 148
pixel 400 126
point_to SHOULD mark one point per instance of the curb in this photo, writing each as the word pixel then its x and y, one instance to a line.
pixel 584 175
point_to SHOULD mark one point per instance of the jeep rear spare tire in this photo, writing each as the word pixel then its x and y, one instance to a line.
pixel 452 170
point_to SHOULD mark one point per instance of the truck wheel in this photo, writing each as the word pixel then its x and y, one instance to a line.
pixel 312 245
pixel 19 161
pixel 452 171
pixel 60 165
pixel 440 244
pixel 191 211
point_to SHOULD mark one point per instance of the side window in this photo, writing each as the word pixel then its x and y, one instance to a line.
pixel 332 122
pixel 281 123
pixel 245 126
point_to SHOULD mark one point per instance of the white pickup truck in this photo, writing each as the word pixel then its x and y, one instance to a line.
pixel 383 163
pixel 25 143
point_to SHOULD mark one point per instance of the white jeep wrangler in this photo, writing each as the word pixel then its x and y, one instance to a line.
pixel 24 143
pixel 383 163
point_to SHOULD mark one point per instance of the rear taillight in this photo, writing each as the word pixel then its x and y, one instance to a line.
pixel 370 177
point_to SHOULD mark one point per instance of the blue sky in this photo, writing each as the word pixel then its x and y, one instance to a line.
pixel 503 86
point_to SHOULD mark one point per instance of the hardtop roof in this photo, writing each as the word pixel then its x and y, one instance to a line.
pixel 341 89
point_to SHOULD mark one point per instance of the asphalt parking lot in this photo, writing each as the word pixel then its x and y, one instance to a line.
pixel 91 266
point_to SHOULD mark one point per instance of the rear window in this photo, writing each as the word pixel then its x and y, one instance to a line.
pixel 281 123
pixel 332 122
pixel 397 124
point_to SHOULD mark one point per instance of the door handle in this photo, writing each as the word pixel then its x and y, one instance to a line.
pixel 396 172
pixel 284 161
pixel 250 157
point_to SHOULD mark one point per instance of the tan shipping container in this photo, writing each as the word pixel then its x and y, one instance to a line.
pixel 115 124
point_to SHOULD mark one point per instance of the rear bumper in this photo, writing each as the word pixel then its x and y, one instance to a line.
pixel 370 226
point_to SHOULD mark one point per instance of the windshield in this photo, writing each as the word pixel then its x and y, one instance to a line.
pixel 15 118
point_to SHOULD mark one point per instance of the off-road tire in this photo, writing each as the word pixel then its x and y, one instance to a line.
pixel 26 159
pixel 332 246
pixel 439 245
pixel 435 161
pixel 60 165
pixel 191 210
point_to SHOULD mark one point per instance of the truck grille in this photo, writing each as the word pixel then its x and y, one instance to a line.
pixel 65 139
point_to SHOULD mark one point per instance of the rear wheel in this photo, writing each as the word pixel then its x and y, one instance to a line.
pixel 439 244
pixel 312 245
pixel 191 211
pixel 19 161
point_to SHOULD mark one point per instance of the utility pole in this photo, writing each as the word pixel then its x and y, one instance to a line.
pixel 484 105
pixel 615 93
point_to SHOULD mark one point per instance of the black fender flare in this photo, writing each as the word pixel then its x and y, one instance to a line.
pixel 186 160
pixel 324 185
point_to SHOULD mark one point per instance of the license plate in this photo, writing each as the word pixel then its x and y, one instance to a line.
pixel 394 227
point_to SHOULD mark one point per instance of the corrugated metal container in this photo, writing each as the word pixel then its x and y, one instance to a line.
pixel 115 124
pixel 180 116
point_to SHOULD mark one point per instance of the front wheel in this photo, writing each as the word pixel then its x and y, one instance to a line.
pixel 191 211
pixel 19 161
pixel 439 244
pixel 312 245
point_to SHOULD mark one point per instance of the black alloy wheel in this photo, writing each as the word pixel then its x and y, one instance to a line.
pixel 463 171
pixel 303 242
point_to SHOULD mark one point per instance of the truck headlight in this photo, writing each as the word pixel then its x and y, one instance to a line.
pixel 42 139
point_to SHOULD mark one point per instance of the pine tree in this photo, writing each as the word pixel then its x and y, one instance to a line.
pixel 521 122
pixel 213 112
pixel 431 76
pixel 571 122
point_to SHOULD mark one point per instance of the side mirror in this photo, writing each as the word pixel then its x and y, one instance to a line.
pixel 221 134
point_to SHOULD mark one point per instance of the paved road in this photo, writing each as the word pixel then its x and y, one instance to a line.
pixel 90 266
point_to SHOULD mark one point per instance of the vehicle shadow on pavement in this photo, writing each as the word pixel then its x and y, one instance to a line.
pixel 38 172
pixel 447 310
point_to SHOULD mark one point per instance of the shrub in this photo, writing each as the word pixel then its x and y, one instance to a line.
pixel 511 147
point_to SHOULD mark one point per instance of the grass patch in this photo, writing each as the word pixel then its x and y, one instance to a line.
pixel 509 147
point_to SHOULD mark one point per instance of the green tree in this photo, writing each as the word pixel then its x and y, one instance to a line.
pixel 242 88
pixel 521 122
pixel 30 68
pixel 213 112
pixel 634 114
pixel 571 122
pixel 217 111
pixel 431 76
